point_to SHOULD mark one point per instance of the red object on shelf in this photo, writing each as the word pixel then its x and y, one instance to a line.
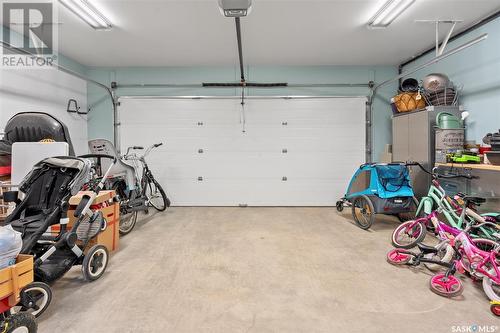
pixel 5 170
pixel 483 150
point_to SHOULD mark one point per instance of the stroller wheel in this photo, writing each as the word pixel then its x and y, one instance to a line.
pixel 20 323
pixel 35 299
pixel 340 206
pixel 363 211
pixel 95 262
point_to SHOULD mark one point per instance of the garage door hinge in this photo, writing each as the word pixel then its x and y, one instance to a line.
pixel 284 179
pixel 284 151
pixel 200 151
pixel 200 123
pixel 200 179
pixel 284 123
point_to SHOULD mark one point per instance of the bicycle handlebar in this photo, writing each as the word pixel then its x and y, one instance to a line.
pixel 148 150
pixel 479 225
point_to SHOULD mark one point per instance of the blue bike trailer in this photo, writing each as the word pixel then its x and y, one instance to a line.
pixel 383 180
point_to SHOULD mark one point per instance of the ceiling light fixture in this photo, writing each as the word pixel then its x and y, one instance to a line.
pixel 389 12
pixel 88 13
pixel 235 8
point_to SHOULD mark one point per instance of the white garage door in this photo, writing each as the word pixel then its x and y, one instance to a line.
pixel 294 152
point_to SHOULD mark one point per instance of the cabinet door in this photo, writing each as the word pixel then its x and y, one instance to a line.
pixel 419 137
pixel 400 140
pixel 419 146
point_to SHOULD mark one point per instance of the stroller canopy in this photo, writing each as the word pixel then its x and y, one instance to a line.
pixel 383 180
pixel 83 167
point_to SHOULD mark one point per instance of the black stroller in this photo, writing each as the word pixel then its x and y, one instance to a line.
pixel 48 188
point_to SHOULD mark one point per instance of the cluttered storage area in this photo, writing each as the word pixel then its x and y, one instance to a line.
pixel 249 166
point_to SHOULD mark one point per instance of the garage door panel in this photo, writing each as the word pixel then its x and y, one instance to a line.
pixel 168 111
pixel 232 139
pixel 253 192
pixel 324 141
pixel 235 165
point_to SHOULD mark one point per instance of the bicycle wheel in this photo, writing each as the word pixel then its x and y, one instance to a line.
pixel 487 245
pixel 495 309
pixel 398 257
pixel 444 255
pixel 363 212
pixel 446 286
pixel 127 222
pixel 408 234
pixel 491 288
pixel 156 196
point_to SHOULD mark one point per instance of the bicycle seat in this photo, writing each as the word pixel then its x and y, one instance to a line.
pixel 120 169
pixel 427 248
pixel 474 200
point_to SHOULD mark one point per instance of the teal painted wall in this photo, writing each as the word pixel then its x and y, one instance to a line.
pixel 101 118
pixel 478 70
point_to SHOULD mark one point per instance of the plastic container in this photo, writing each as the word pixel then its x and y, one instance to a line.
pixel 446 120
pixel 11 243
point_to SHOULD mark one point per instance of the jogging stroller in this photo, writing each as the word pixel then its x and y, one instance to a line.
pixel 47 190
pixel 378 188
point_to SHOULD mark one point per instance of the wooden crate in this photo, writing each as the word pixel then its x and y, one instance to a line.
pixel 14 278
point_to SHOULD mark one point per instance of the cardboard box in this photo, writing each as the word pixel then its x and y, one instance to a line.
pixel 110 237
pixel 103 196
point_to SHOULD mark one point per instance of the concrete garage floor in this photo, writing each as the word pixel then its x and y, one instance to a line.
pixel 258 270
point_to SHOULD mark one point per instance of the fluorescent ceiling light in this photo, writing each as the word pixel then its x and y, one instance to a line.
pixel 88 13
pixel 235 8
pixel 389 12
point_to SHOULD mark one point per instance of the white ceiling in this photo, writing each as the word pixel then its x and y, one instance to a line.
pixel 277 32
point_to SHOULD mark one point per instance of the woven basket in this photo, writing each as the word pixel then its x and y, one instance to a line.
pixel 408 101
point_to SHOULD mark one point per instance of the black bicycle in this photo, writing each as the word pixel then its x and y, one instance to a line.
pixel 144 192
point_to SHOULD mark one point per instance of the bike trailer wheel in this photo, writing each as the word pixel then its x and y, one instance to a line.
pixel 408 234
pixel 446 286
pixel 411 215
pixel 398 257
pixel 95 262
pixel 340 206
pixel 363 211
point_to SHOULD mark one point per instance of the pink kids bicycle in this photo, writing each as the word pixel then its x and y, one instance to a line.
pixel 467 256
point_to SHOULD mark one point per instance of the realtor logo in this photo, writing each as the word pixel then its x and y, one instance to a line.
pixel 29 34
